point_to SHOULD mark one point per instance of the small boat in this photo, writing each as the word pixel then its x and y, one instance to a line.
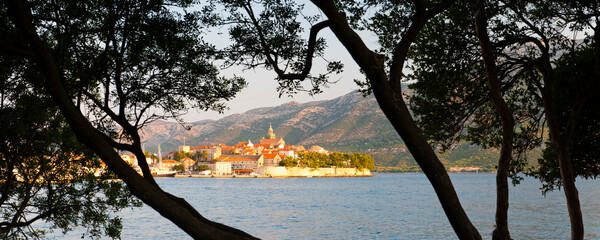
pixel 162 172
pixel 161 175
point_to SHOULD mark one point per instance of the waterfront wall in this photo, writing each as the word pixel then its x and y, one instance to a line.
pixel 312 172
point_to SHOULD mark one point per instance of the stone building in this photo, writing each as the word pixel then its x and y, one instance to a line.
pixel 220 168
pixel 248 162
pixel 271 159
pixel 212 152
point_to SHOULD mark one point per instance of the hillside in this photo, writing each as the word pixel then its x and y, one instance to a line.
pixel 350 123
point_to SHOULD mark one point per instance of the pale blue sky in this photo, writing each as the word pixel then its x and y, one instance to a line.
pixel 262 86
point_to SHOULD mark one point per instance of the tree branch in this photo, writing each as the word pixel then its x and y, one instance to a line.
pixel 268 53
pixel 17 51
pixel 393 106
pixel 175 209
pixel 489 59
pixel 421 16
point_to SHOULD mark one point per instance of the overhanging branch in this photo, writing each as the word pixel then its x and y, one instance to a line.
pixel 269 53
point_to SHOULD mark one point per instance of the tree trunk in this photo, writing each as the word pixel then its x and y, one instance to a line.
pixel 175 209
pixel 393 106
pixel 560 142
pixel 397 113
pixel 567 177
pixel 571 193
pixel 501 232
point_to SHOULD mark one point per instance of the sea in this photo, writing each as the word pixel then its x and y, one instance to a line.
pixel 386 206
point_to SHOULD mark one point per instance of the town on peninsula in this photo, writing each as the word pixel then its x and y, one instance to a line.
pixel 268 157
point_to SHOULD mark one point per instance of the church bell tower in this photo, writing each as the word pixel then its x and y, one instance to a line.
pixel 270 134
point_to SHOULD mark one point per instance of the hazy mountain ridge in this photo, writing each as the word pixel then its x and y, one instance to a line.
pixel 348 119
pixel 350 123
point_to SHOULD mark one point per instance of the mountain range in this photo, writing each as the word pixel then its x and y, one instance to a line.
pixel 350 123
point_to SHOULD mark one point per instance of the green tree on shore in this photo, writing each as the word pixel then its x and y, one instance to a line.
pixel 336 159
pixel 179 155
pixel 288 162
pixel 201 167
pixel 178 168
pixel 200 155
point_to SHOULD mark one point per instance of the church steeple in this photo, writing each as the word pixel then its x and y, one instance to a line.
pixel 270 134
pixel 159 155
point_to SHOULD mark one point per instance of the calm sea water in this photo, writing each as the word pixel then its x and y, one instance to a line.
pixel 387 206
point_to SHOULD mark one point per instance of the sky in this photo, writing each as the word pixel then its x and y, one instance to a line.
pixel 262 86
pixel 261 90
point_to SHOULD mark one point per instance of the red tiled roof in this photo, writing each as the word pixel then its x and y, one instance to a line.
pixel 270 155
pixel 170 161
pixel 263 145
pixel 249 151
pixel 238 159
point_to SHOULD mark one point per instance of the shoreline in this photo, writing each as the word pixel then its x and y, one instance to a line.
pixel 250 176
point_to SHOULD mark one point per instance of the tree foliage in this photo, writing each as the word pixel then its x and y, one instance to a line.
pixel 46 175
pixel 199 155
pixel 532 52
pixel 288 162
pixel 180 155
pixel 574 72
pixel 178 168
pixel 396 24
pixel 201 167
pixel 449 98
pixel 272 38
pixel 336 159
pixel 152 62
pixel 110 67
pixel 454 50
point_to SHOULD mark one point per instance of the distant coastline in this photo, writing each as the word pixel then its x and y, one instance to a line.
pixel 292 172
pixel 418 170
